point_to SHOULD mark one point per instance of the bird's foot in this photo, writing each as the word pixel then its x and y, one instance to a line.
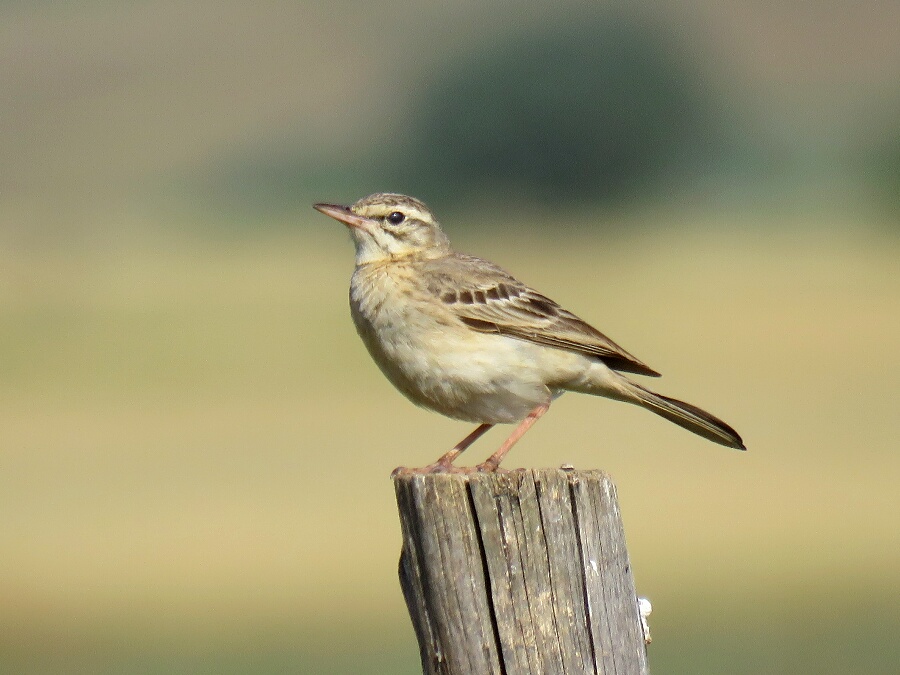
pixel 437 467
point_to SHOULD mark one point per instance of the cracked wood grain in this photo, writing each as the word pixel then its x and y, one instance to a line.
pixel 518 572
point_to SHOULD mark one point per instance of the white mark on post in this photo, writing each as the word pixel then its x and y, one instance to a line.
pixel 644 607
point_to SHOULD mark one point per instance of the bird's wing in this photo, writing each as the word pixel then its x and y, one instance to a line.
pixel 489 300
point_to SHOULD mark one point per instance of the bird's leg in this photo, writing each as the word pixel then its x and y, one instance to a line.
pixel 445 463
pixel 493 462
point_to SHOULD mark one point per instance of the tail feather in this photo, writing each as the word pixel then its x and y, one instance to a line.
pixel 687 416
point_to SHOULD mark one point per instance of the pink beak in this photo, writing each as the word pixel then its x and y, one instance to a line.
pixel 343 214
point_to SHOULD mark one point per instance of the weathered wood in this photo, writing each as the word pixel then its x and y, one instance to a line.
pixel 518 572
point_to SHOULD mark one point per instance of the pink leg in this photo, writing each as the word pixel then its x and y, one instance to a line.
pixel 445 463
pixel 493 462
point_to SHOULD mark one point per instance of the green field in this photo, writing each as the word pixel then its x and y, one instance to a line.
pixel 195 449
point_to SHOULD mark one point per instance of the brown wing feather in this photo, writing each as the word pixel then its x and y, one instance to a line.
pixel 488 299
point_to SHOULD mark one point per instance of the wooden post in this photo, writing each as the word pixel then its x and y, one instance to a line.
pixel 518 572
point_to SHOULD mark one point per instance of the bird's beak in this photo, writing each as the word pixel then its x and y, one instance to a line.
pixel 343 214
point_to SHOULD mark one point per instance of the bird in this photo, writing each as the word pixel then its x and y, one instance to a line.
pixel 459 335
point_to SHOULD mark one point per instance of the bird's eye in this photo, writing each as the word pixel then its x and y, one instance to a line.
pixel 396 218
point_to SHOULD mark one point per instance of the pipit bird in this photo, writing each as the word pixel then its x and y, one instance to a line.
pixel 460 336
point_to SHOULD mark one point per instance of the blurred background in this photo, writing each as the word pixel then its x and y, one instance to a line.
pixel 194 445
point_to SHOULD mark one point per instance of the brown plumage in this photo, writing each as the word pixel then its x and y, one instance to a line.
pixel 488 299
pixel 461 336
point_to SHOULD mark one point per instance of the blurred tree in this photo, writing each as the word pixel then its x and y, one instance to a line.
pixel 885 170
pixel 581 111
pixel 599 109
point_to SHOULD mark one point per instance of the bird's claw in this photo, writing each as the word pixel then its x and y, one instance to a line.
pixel 437 467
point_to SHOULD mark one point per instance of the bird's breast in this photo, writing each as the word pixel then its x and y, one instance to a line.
pixel 437 361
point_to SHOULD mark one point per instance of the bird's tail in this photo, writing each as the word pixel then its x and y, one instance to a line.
pixel 685 415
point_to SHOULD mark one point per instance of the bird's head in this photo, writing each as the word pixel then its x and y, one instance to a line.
pixel 390 227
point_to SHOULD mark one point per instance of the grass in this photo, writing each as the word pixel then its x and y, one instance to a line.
pixel 195 450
